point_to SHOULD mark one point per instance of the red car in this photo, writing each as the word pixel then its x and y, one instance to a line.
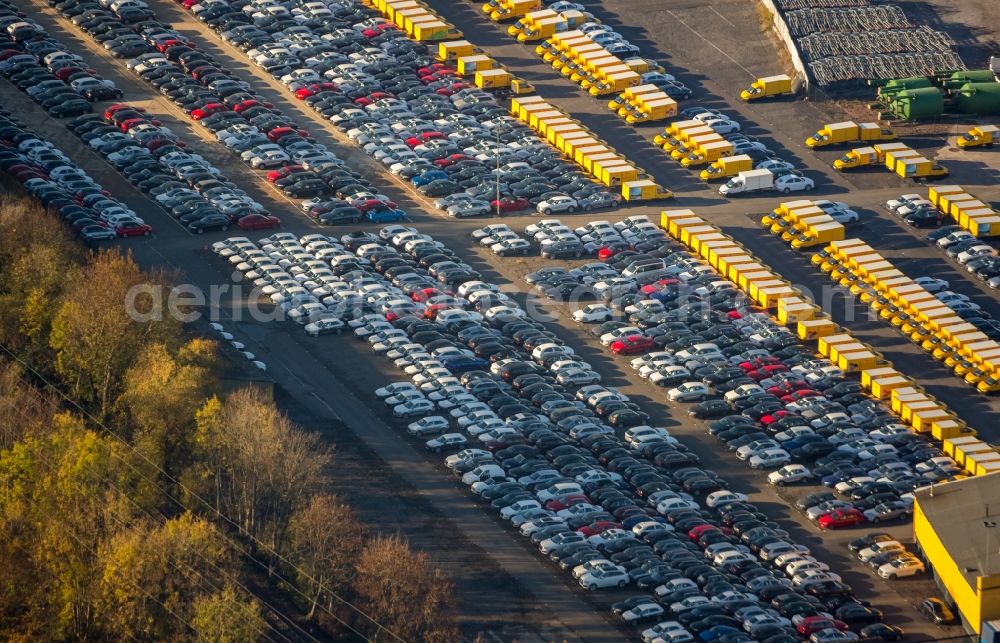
pixel 770 418
pixel 208 110
pixel 632 345
pixel 452 159
pixel 313 89
pixel 258 222
pixel 699 531
pixel 510 204
pixel 840 518
pixel 430 69
pixel 766 372
pixel 422 138
pixel 129 123
pixel 369 204
pixel 788 386
pixel 280 132
pixel 565 502
pixel 801 394
pixel 133 229
pixel 117 107
pixel 247 104
pixel 598 527
pixel 451 88
pixel 425 293
pixel 812 624
pixel 364 101
pixel 282 172
pixel 759 362
pixel 606 253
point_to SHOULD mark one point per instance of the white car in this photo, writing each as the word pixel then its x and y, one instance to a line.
pixel 490 230
pixel 931 284
pixel 429 425
pixel 768 458
pixel 901 568
pixel 413 408
pixel 905 199
pixel 689 392
pixel 593 565
pixel 394 389
pixel 446 441
pixel 793 183
pixel 878 549
pixel 724 497
pixel 789 474
pixel 980 250
pixel 592 314
pixel 666 630
pixel 325 326
pixel 605 578
pixel 557 204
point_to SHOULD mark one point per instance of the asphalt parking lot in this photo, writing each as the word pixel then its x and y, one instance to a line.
pixel 504 589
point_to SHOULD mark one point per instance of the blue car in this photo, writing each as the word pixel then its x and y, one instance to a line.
pixel 459 365
pixel 385 215
pixel 428 176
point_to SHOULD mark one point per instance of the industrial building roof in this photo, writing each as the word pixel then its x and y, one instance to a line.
pixel 966 517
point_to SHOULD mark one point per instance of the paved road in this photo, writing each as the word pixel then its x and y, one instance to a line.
pixel 330 379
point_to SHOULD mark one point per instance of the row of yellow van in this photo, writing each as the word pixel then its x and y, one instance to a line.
pixel 802 224
pixel 419 21
pixel 971 213
pixel 587 63
pixel 694 143
pixel 919 409
pixel 579 144
pixel 918 314
pixel 643 104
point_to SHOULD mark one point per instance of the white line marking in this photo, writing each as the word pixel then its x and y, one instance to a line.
pixel 711 44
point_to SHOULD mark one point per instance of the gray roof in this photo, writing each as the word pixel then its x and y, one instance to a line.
pixel 965 515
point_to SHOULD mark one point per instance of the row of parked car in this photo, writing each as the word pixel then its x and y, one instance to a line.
pixel 56 79
pixel 407 110
pixel 539 436
pixel 979 258
pixel 62 186
pixel 264 138
pixel 779 409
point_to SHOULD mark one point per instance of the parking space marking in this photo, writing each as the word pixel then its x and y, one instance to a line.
pixel 710 43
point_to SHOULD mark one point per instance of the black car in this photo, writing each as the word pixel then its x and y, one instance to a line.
pixel 711 409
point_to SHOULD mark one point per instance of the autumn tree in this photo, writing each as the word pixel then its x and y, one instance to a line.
pixel 162 395
pixel 258 467
pixel 152 576
pixel 227 616
pixel 404 593
pixel 38 260
pixel 96 332
pixel 25 409
pixel 59 495
pixel 325 539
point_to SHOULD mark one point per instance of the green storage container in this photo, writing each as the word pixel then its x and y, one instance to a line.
pixel 918 104
pixel 978 98
pixel 974 76
pixel 897 85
